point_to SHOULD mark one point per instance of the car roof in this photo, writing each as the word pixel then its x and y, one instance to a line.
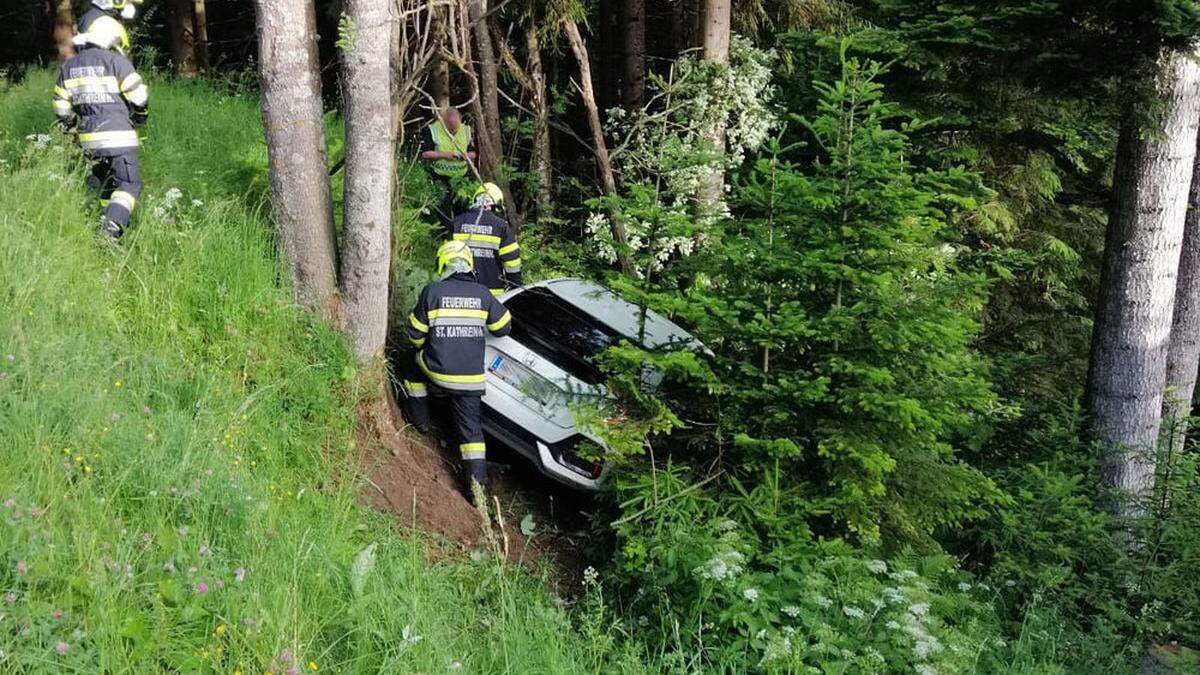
pixel 607 307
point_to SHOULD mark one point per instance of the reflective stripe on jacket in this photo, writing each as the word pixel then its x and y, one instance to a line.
pixel 494 246
pixel 103 89
pixel 448 324
pixel 443 141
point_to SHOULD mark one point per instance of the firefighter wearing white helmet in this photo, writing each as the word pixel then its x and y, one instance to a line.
pixel 101 96
pixel 492 240
pixel 448 328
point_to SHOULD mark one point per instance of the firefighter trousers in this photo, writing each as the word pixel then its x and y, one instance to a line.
pixel 118 179
pixel 466 413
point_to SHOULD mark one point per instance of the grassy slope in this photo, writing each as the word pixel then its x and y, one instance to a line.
pixel 167 418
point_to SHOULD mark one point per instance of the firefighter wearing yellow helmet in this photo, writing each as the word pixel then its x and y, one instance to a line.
pixel 109 15
pixel 448 327
pixel 101 96
pixel 492 240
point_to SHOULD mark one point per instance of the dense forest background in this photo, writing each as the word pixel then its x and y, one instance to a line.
pixel 898 226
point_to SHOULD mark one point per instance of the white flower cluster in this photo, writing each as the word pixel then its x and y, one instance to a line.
pixel 724 566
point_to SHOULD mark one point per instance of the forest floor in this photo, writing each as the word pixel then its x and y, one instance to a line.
pixel 416 478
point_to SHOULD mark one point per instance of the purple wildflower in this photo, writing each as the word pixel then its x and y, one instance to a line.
pixel 61 648
pixel 9 503
pixel 201 588
pixel 239 575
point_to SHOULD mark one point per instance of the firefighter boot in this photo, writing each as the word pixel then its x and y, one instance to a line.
pixel 111 228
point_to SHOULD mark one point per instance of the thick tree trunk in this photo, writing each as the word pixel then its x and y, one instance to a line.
pixel 366 248
pixel 183 37
pixel 295 131
pixel 633 80
pixel 200 32
pixel 64 29
pixel 1183 356
pixel 542 160
pixel 716 50
pixel 608 182
pixel 1137 295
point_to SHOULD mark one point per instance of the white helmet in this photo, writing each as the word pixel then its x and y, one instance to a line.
pixel 124 7
pixel 105 33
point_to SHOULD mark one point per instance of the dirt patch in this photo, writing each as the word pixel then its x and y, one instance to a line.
pixel 415 477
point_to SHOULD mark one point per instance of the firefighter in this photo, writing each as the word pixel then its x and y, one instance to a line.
pixel 492 240
pixel 448 147
pixel 447 327
pixel 101 97
pixel 116 11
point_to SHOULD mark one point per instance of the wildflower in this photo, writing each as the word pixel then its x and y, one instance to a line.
pixel 201 588
pixel 169 566
pixel 286 656
pixel 964 586
pixel 926 669
pixel 220 629
pixel 312 665
pixel 919 609
pixel 37 512
pixel 292 671
pixel 791 610
pixel 61 648
pixel 10 597
pixel 892 625
pixel 853 612
pixel 822 601
pixel 205 550
pixel 58 613
pixel 9 503
pixel 239 575
pixel 877 566
pixel 590 575
pixel 248 622
pixel 750 594
pixel 22 568
pixel 118 384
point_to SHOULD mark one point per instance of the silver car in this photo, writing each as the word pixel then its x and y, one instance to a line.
pixel 544 372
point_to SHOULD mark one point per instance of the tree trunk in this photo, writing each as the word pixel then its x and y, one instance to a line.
pixel 64 29
pixel 604 167
pixel 487 127
pixel 439 76
pixel 542 160
pixel 633 80
pixel 183 38
pixel 295 132
pixel 200 32
pixel 1183 356
pixel 1137 293
pixel 716 50
pixel 366 248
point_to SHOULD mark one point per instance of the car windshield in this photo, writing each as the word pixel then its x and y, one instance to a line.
pixel 560 333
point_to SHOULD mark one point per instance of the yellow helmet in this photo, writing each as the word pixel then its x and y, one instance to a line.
pixel 488 194
pixel 105 33
pixel 456 256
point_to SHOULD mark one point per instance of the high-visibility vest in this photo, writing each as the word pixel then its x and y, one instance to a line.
pixel 443 141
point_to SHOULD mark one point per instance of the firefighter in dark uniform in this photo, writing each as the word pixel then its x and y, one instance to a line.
pixel 99 95
pixel 118 11
pixel 492 241
pixel 448 328
pixel 447 146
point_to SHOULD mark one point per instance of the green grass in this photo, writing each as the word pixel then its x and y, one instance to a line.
pixel 168 418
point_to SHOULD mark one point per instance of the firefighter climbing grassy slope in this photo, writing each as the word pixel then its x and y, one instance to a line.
pixel 101 97
pixel 447 326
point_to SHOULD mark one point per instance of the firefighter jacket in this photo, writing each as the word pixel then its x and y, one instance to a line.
pixel 99 91
pixel 494 246
pixel 437 137
pixel 448 325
